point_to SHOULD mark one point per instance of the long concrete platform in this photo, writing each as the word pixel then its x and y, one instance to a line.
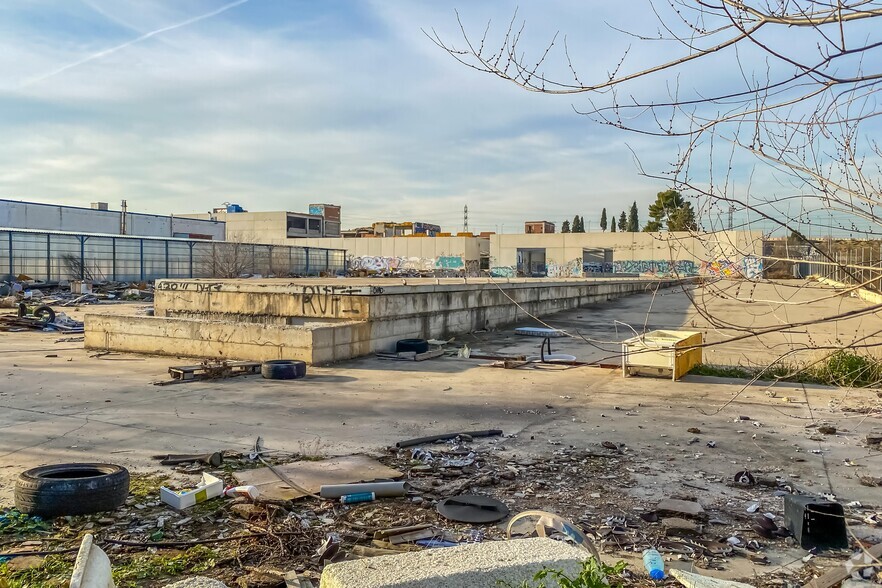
pixel 323 321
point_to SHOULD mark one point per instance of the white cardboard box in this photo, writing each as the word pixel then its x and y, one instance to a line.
pixel 209 487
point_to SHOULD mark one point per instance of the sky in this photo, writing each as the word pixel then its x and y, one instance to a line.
pixel 182 105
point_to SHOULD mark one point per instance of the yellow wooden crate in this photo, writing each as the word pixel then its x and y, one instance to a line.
pixel 661 353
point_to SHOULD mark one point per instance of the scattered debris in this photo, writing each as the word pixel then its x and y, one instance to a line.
pixel 214 370
pixel 214 459
pixel 209 487
pixel 447 436
pixel 693 580
pixel 680 507
pixel 310 476
pixel 471 508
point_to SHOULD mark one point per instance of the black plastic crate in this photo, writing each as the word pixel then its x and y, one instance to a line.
pixel 815 523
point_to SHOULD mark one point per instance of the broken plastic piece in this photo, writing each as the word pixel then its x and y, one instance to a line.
pixel 558 523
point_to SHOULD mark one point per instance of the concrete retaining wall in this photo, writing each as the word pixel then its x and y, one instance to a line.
pixel 312 320
pixel 314 343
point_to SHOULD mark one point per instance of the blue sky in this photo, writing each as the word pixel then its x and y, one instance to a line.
pixel 274 104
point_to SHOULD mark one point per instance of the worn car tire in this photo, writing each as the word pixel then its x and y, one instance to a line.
pixel 415 345
pixel 41 312
pixel 45 314
pixel 283 369
pixel 71 489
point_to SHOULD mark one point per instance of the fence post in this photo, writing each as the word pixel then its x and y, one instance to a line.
pixel 141 254
pixel 113 257
pixel 166 259
pixel 307 259
pixel 48 257
pixel 11 263
pixel 328 260
pixel 191 244
pixel 83 257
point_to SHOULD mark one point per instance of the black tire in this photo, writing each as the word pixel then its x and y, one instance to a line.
pixel 71 489
pixel 416 345
pixel 45 314
pixel 283 369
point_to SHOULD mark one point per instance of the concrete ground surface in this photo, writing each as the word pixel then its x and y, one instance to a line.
pixel 61 403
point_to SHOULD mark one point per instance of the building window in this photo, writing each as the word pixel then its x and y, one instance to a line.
pixel 315 224
pixel 297 223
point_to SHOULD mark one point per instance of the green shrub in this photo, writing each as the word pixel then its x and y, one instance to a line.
pixel 594 574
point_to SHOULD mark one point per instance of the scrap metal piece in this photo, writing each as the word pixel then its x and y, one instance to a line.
pixel 472 508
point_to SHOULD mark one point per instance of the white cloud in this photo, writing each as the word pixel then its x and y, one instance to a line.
pixel 386 124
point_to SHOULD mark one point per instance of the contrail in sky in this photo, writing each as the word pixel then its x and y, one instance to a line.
pixel 143 37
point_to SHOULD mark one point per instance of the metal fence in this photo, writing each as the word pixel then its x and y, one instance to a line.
pixel 53 256
pixel 851 261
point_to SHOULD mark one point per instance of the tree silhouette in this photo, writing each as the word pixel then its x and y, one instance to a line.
pixel 565 227
pixel 671 212
pixel 633 220
pixel 603 220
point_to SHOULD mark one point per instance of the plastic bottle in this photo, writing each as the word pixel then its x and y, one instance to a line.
pixel 358 497
pixel 654 564
pixel 249 491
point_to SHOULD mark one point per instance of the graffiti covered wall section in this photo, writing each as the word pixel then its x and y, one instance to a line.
pixel 656 267
pixel 571 269
pixel 748 267
pixel 444 265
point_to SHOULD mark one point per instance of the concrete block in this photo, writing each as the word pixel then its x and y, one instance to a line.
pixel 479 565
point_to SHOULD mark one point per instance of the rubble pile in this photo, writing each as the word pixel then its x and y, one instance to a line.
pixel 258 541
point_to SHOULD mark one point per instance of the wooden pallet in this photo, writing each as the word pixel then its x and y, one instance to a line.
pixel 223 369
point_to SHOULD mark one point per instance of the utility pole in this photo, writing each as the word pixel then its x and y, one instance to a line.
pixel 731 211
pixel 465 219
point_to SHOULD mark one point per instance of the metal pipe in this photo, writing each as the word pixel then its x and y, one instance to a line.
pixel 380 489
pixel 446 436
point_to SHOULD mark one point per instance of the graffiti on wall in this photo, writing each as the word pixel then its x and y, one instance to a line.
pixel 747 267
pixel 387 265
pixel 597 267
pixel 656 267
pixel 503 271
pixel 449 262
pixel 571 269
pixel 453 265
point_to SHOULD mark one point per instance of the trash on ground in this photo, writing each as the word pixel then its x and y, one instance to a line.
pixel 209 487
pixel 471 508
pixel 312 475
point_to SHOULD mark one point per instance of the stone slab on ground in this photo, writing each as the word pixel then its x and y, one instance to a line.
pixel 468 566
pixel 197 582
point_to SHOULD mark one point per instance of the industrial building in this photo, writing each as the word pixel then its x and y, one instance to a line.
pixel 36 216
pixel 52 243
pixel 557 255
pixel 395 229
pixel 531 227
pixel 275 227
